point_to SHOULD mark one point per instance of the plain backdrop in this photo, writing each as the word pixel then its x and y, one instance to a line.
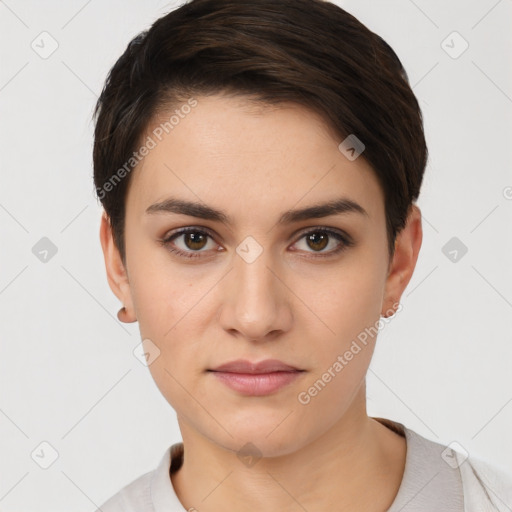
pixel 69 377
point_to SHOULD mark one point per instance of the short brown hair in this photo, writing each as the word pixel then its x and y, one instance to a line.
pixel 310 52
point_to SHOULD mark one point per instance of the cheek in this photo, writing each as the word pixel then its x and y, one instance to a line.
pixel 161 296
pixel 325 399
pixel 342 359
pixel 170 312
pixel 343 300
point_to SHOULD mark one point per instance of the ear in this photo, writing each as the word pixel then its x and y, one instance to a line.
pixel 117 275
pixel 403 263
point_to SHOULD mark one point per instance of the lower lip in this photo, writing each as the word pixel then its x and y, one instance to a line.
pixel 257 384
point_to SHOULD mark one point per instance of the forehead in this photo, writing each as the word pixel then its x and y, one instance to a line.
pixel 248 158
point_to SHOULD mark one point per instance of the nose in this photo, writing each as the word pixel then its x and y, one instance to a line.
pixel 256 302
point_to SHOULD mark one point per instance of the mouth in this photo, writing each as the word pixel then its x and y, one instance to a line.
pixel 257 384
pixel 247 367
pixel 256 379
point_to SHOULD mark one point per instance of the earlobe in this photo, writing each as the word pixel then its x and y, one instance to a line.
pixel 124 316
pixel 116 273
pixel 407 247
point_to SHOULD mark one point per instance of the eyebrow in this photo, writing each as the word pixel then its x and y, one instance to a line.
pixel 200 210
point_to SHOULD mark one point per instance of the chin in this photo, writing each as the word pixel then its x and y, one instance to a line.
pixel 259 446
pixel 263 438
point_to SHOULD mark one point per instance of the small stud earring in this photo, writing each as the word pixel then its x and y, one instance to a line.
pixel 122 316
pixel 394 310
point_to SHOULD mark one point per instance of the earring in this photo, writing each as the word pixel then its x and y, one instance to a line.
pixel 122 316
pixel 393 311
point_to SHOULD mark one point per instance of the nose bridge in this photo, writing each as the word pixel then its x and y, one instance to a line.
pixel 257 303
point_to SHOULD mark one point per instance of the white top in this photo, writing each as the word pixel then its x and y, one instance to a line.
pixel 435 478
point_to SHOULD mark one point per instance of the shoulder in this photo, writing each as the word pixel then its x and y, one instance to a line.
pixel 485 486
pixel 134 497
pixel 444 477
pixel 146 491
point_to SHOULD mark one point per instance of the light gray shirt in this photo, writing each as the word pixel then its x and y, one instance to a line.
pixel 436 479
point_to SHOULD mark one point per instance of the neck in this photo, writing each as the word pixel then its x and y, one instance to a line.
pixel 357 464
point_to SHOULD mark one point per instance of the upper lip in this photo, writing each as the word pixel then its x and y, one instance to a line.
pixel 266 366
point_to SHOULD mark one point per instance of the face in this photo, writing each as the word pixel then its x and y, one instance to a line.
pixel 251 282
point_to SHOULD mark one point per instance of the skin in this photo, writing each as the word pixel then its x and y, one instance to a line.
pixel 254 163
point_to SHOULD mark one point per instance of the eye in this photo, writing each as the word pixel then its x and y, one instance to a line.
pixel 195 239
pixel 319 238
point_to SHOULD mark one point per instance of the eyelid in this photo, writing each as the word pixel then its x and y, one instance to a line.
pixel 301 231
pixel 304 231
pixel 343 237
pixel 188 229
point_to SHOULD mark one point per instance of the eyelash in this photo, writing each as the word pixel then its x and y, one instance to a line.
pixel 345 240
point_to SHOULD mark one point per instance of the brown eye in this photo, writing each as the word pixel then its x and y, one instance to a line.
pixel 317 241
pixel 193 241
pixel 320 238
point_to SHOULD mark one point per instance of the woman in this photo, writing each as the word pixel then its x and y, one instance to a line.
pixel 258 164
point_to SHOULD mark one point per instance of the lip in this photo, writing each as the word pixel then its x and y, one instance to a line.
pixel 256 379
pixel 266 366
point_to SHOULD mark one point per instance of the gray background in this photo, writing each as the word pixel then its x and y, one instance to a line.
pixel 68 373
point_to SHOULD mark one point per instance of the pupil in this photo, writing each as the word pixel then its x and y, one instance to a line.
pixel 194 239
pixel 313 238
